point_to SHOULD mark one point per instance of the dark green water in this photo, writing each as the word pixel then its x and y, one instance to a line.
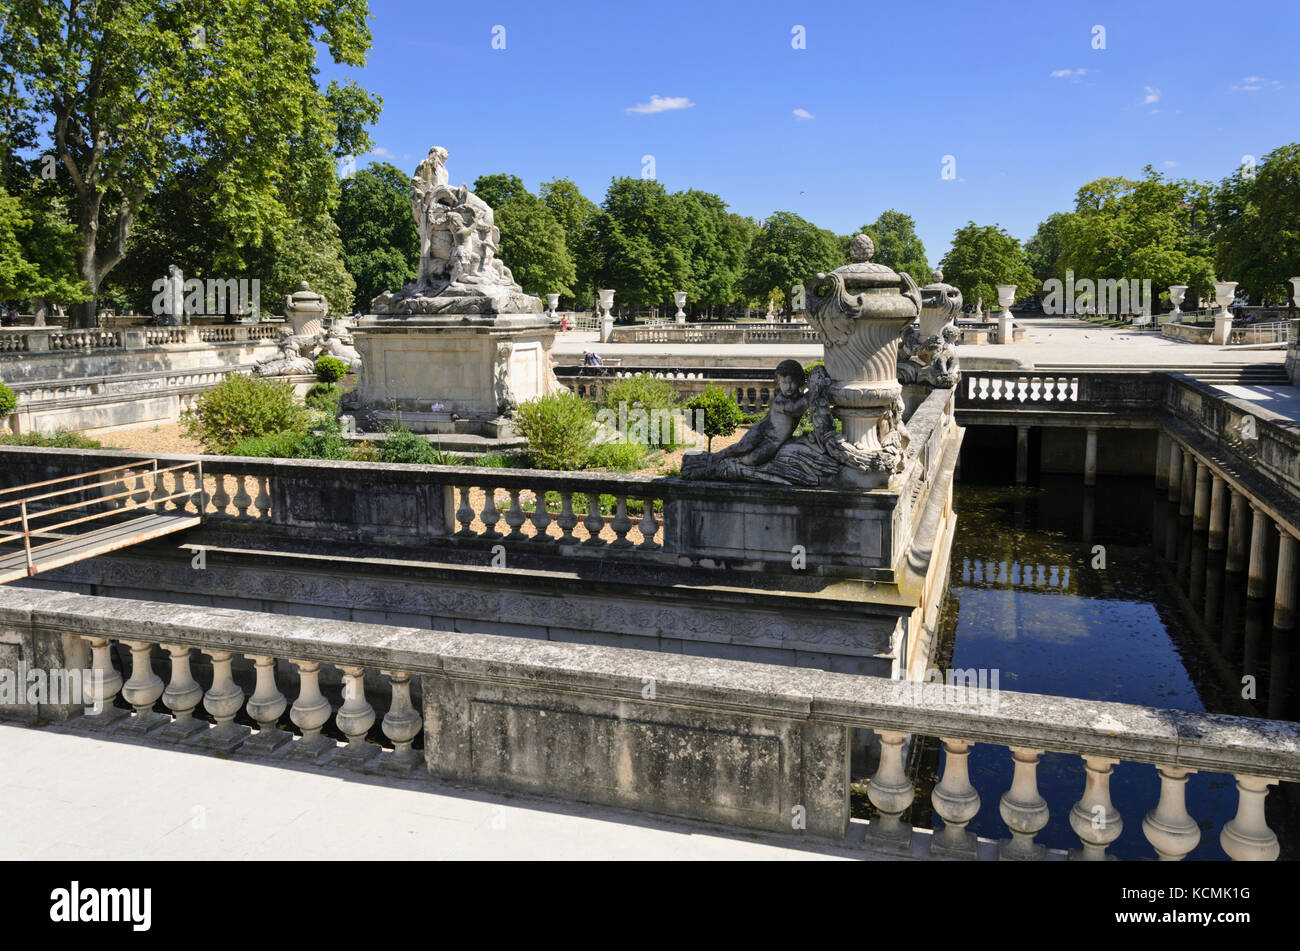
pixel 1026 600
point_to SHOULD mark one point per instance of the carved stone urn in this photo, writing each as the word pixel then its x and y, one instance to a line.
pixel 305 310
pixel 940 303
pixel 679 298
pixel 1176 294
pixel 552 304
pixel 1225 292
pixel 1295 295
pixel 1006 323
pixel 606 318
pixel 928 354
pixel 860 309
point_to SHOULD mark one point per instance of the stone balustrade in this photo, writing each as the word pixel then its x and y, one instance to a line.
pixel 989 387
pixel 719 334
pixel 758 746
pixel 56 339
pixel 978 573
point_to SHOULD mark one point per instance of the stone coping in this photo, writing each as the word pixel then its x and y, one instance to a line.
pixel 1213 742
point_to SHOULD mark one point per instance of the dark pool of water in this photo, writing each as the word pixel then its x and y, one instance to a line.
pixel 1065 590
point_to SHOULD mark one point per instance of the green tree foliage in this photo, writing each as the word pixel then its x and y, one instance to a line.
pixel 1043 250
pixel 983 256
pixel 37 244
pixel 897 245
pixel 1152 228
pixel 788 250
pixel 641 243
pixel 381 248
pixel 559 428
pixel 722 414
pixel 1258 219
pixel 533 246
pixel 330 369
pixel 129 91
pixel 499 188
pixel 8 402
pixel 575 213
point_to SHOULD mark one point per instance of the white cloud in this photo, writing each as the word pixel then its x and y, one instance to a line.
pixel 1067 73
pixel 1153 95
pixel 662 104
pixel 1169 164
pixel 1256 83
pixel 803 114
pixel 380 152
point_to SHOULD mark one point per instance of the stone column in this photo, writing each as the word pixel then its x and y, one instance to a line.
pixel 1090 457
pixel 1257 572
pixel 1162 460
pixel 1189 484
pixel 1238 529
pixel 1201 504
pixel 1175 471
pixel 1168 827
pixel 1284 600
pixel 1218 513
pixel 1022 455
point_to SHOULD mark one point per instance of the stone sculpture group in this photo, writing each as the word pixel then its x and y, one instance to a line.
pixel 307 337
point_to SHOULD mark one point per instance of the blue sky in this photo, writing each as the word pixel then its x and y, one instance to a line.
pixel 889 90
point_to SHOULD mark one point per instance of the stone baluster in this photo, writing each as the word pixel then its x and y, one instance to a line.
pixel 1247 837
pixel 541 517
pixel 263 500
pixel 1094 818
pixel 1022 808
pixel 594 523
pixel 1168 827
pixel 621 524
pixel 567 520
pixel 223 701
pixel 242 499
pixel 355 717
pixel 158 494
pixel 956 801
pixel 891 792
pixel 490 514
pixel 142 690
pixel 105 683
pixel 515 516
pixel 648 526
pixel 182 695
pixel 465 512
pixel 266 706
pixel 310 712
pixel 402 723
pixel 220 497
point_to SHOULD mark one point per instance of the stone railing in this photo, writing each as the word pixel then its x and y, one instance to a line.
pixel 1123 393
pixel 758 746
pixel 41 339
pixel 990 388
pixel 978 572
pixel 719 334
pixel 1282 331
pixel 571 514
pixel 752 388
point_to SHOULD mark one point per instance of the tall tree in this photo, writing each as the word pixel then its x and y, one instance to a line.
pixel 128 90
pixel 641 245
pixel 499 188
pixel 1258 218
pixel 788 250
pixel 532 246
pixel 897 245
pixel 575 212
pixel 1043 250
pixel 381 248
pixel 983 256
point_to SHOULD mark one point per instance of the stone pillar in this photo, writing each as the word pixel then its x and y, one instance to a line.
pixel 1162 459
pixel 1238 529
pixel 1218 513
pixel 1285 598
pixel 1189 484
pixel 1257 572
pixel 1175 471
pixel 1090 457
pixel 1168 827
pixel 1022 455
pixel 1201 504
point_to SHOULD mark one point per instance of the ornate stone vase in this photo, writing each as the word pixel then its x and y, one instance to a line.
pixel 860 309
pixel 552 303
pixel 1295 295
pixel 1176 294
pixel 928 354
pixel 606 302
pixel 1225 292
pixel 679 298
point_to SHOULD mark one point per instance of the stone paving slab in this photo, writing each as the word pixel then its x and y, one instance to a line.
pixel 85 797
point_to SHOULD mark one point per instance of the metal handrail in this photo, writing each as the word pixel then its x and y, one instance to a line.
pixel 80 475
pixel 82 488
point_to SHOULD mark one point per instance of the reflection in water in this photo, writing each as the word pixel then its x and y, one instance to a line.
pixel 1064 590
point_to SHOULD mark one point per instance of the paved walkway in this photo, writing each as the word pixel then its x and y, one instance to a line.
pixel 82 797
pixel 1049 340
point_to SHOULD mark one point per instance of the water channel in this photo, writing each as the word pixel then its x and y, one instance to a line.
pixel 1066 590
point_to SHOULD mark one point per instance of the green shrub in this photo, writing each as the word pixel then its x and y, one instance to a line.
pixel 559 429
pixel 648 393
pixel 721 412
pixel 323 443
pixel 330 369
pixel 324 397
pixel 57 439
pixel 275 446
pixel 617 456
pixel 497 460
pixel 404 446
pixel 8 402
pixel 241 407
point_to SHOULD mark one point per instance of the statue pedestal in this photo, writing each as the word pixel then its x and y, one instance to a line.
pixel 1222 330
pixel 477 366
